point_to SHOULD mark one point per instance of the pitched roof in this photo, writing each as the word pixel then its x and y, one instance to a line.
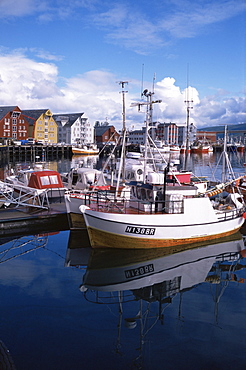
pixel 32 115
pixel 100 130
pixel 5 110
pixel 70 117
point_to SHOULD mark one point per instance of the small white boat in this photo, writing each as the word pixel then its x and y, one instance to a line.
pixel 201 147
pixel 38 180
pixel 134 155
pixel 82 183
pixel 87 149
pixel 174 148
pixel 156 147
pixel 85 178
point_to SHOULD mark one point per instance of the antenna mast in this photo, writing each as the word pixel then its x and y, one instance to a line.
pixel 149 105
pixel 123 147
pixel 188 108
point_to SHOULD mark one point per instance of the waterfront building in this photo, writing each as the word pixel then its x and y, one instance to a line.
pixel 13 124
pixel 209 136
pixel 106 134
pixel 136 137
pixel 42 126
pixel 170 133
pixel 74 128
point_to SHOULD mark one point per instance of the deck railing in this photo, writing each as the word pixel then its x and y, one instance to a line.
pixel 108 202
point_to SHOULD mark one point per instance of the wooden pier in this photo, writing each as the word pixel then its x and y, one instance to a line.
pixel 29 221
pixel 32 153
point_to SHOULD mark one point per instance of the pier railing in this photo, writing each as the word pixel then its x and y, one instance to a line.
pixel 17 195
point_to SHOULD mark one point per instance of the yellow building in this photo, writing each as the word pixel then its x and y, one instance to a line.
pixel 42 126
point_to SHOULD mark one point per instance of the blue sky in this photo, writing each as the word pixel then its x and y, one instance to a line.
pixel 69 56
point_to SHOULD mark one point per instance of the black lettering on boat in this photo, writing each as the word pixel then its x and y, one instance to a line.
pixel 139 271
pixel 140 230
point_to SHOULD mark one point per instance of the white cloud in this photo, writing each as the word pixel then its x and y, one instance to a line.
pixel 29 84
pixel 44 54
pixel 13 8
pixel 190 18
pixel 141 28
pixel 43 9
pixel 155 25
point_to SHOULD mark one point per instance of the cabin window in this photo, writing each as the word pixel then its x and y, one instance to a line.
pixel 21 177
pixel 45 180
pixel 54 179
pixel 139 193
pixel 91 178
pixel 143 194
pixel 75 178
pixel 149 194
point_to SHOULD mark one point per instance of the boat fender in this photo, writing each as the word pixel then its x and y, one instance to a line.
pixel 83 208
pixel 244 215
pixel 243 253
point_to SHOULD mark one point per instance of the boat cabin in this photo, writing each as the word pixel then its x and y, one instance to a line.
pixel 154 198
pixel 45 180
pixel 84 178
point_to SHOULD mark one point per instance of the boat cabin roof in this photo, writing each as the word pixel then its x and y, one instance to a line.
pixel 45 180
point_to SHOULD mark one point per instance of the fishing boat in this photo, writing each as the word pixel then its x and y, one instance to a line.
pixel 37 179
pixel 200 147
pixel 86 149
pixel 240 147
pixel 174 148
pixel 183 149
pixel 157 217
pixel 164 211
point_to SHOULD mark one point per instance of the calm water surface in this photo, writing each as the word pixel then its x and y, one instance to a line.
pixel 64 307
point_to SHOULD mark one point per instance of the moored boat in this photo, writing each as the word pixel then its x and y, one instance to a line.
pixel 37 179
pixel 87 149
pixel 174 148
pixel 162 215
pixel 200 147
pixel 183 149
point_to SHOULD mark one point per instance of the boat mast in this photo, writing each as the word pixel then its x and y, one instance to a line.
pixel 188 108
pixel 123 147
pixel 224 159
pixel 149 115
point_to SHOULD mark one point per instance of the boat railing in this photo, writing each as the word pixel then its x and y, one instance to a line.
pixel 229 214
pixel 107 202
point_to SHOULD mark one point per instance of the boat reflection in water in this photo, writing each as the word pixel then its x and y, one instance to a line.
pixel 144 283
pixel 114 270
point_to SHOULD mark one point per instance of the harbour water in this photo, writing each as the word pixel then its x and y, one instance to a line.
pixel 65 306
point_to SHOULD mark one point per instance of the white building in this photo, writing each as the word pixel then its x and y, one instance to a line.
pixel 74 128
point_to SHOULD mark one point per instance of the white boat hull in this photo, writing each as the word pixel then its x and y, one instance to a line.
pixel 81 151
pixel 132 231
